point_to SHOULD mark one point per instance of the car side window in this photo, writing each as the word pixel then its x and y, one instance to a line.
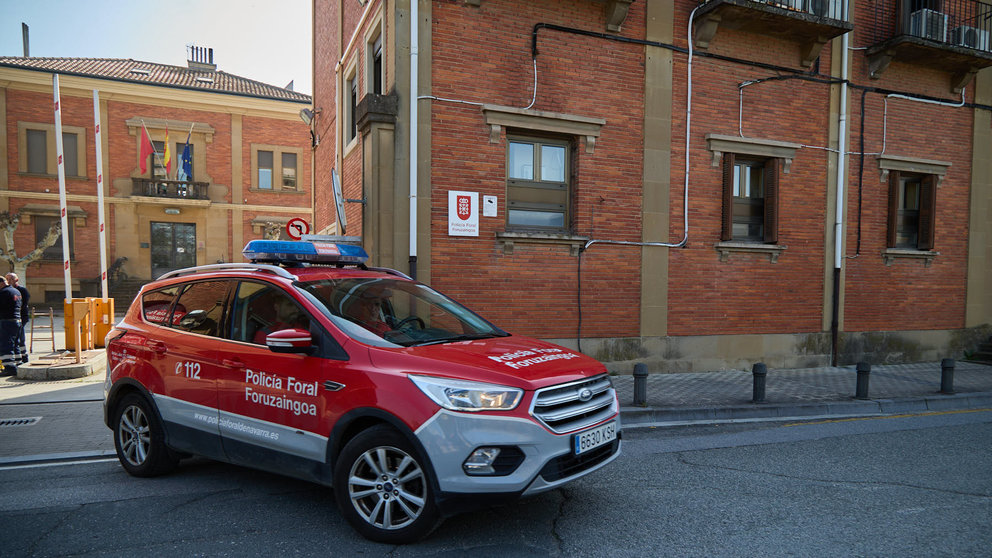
pixel 202 307
pixel 260 309
pixel 155 305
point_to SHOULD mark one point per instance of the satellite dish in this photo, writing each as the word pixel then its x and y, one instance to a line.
pixel 338 202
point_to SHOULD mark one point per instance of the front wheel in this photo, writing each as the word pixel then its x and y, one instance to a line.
pixel 383 488
pixel 140 440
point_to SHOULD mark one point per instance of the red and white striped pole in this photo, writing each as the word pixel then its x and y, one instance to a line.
pixel 99 194
pixel 62 203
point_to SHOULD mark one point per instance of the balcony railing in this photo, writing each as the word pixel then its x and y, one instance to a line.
pixel 174 189
pixel 809 23
pixel 948 35
pixel 819 8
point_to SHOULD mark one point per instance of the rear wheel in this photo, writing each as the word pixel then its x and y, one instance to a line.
pixel 140 439
pixel 383 487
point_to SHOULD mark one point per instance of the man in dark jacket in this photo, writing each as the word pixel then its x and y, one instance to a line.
pixel 10 324
pixel 22 346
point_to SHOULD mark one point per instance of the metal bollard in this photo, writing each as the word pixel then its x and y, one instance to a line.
pixel 759 372
pixel 947 376
pixel 864 371
pixel 640 384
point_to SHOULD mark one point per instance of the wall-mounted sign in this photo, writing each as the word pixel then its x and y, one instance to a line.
pixel 489 206
pixel 463 213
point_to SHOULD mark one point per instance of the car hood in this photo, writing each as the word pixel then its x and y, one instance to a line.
pixel 514 360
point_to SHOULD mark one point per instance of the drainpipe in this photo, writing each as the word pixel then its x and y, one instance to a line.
pixel 414 93
pixel 841 180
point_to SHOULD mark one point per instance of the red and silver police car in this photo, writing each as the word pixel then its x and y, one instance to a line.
pixel 308 363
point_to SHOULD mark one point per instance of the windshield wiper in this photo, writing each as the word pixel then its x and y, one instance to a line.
pixel 462 337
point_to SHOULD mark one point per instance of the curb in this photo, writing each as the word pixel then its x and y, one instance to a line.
pixel 634 417
pixel 55 369
pixel 57 458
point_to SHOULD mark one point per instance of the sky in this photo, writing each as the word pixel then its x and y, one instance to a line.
pixel 267 41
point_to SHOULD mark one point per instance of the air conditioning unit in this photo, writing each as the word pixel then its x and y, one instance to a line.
pixel 970 37
pixel 929 24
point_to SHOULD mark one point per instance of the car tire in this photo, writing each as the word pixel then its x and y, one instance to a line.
pixel 384 487
pixel 140 439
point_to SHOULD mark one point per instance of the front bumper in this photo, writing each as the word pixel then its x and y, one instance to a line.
pixel 449 437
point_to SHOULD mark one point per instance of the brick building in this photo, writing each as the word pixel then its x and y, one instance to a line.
pixel 250 152
pixel 560 128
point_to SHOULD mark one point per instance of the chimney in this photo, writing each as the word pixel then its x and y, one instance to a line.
pixel 201 59
pixel 27 43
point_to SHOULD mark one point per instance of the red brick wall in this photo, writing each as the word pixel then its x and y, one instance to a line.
pixel 907 295
pixel 326 50
pixel 483 55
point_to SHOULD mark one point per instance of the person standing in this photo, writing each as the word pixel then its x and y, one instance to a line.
pixel 10 323
pixel 22 345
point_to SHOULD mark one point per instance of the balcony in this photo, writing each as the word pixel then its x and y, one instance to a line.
pixel 811 23
pixel 949 35
pixel 169 189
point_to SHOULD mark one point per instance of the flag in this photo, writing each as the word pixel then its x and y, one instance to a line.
pixel 186 161
pixel 146 149
pixel 168 154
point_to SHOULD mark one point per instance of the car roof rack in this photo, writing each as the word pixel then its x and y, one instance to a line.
pixel 274 269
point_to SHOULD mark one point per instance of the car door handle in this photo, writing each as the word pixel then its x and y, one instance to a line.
pixel 232 363
pixel 158 347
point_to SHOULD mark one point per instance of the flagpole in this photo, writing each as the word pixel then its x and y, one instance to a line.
pixel 62 203
pixel 99 194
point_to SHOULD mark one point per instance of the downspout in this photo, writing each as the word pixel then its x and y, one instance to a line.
pixel 414 93
pixel 841 180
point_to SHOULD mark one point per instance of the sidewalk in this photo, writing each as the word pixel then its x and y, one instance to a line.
pixel 802 393
pixel 70 425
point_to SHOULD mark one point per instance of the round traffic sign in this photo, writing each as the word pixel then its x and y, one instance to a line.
pixel 297 227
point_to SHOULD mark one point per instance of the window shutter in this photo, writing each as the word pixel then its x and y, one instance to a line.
pixel 928 204
pixel 771 201
pixel 893 223
pixel 727 222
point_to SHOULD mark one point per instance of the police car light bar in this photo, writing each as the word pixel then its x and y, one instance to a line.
pixel 288 251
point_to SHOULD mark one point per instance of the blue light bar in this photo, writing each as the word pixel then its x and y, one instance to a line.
pixel 288 251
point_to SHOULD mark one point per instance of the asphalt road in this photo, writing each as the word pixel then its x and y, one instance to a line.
pixel 895 486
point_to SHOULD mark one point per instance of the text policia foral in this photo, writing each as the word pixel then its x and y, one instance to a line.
pixel 282 400
pixel 519 359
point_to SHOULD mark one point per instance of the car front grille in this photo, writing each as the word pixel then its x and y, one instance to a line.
pixel 568 464
pixel 561 408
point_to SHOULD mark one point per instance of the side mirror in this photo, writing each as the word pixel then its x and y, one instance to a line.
pixel 290 341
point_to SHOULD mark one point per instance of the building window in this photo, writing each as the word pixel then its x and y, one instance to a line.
pixel 537 184
pixel 289 171
pixel 70 154
pixel 264 170
pixel 54 252
pixel 158 161
pixel 37 144
pixel 912 205
pixel 275 168
pixel 376 66
pixel 750 199
pixel 352 92
pixel 37 149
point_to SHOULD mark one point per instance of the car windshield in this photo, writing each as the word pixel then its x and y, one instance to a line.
pixel 405 313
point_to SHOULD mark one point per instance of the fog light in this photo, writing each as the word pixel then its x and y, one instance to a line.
pixel 480 462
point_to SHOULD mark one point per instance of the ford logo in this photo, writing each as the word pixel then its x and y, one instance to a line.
pixel 585 394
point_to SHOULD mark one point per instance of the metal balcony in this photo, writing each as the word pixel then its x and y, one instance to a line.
pixel 172 189
pixel 950 35
pixel 811 23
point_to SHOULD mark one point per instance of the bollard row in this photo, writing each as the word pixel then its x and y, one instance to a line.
pixel 759 373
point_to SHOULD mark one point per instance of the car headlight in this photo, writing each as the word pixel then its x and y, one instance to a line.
pixel 463 395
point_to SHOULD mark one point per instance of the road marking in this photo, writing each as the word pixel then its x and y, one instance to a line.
pixel 907 415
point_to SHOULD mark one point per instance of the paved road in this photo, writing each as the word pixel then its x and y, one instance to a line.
pixel 906 486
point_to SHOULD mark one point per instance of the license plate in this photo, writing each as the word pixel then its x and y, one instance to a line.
pixel 594 437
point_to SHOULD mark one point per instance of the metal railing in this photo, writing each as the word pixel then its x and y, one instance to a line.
pixel 961 23
pixel 820 8
pixel 175 189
